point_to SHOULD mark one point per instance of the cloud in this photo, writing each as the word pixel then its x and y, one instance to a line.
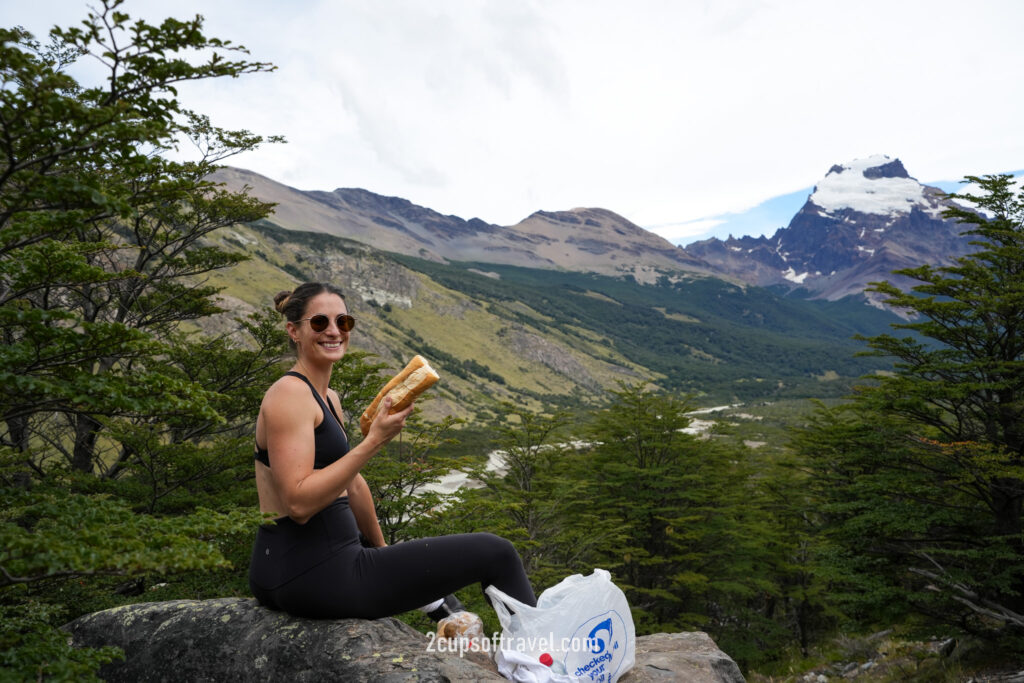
pixel 682 233
pixel 664 112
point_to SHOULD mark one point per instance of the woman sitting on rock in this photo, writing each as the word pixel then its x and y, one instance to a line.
pixel 311 562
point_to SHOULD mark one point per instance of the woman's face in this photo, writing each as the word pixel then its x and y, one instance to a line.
pixel 327 346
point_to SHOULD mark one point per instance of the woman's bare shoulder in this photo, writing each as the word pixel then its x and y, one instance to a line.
pixel 288 393
pixel 335 397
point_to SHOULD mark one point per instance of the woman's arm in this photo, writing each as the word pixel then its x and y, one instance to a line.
pixel 290 415
pixel 360 499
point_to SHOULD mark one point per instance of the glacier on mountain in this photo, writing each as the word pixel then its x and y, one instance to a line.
pixel 847 186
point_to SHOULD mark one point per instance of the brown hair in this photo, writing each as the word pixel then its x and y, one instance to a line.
pixel 292 305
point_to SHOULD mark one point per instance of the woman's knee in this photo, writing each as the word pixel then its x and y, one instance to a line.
pixel 499 547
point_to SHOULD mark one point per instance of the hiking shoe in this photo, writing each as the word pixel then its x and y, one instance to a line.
pixel 450 606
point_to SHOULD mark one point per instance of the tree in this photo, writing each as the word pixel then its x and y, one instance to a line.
pixel 694 549
pixel 165 463
pixel 844 451
pixel 539 497
pixel 110 405
pixel 401 474
pixel 101 235
pixel 925 501
pixel 536 495
pixel 647 468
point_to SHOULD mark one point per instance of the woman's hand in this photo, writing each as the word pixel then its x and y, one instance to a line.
pixel 386 426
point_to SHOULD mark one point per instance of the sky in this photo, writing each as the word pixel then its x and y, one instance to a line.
pixel 691 118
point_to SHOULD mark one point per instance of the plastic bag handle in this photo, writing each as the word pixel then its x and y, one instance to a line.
pixel 501 602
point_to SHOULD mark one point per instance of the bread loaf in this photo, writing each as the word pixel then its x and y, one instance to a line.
pixel 413 380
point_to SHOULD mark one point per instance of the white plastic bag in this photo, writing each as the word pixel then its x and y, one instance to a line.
pixel 582 623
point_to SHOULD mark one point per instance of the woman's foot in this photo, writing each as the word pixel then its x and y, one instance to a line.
pixel 449 606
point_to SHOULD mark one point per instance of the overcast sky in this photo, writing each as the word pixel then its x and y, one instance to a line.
pixel 669 113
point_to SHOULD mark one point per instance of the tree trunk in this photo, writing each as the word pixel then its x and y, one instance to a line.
pixel 86 432
pixel 17 429
pixel 1007 499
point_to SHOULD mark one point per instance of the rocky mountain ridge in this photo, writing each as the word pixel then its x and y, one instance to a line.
pixel 862 221
pixel 573 302
pixel 489 351
pixel 582 239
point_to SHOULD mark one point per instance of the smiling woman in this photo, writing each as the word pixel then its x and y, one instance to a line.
pixel 324 555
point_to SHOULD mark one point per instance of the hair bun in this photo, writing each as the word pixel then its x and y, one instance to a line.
pixel 281 300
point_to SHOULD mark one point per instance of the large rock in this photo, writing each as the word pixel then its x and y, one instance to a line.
pixel 233 639
pixel 690 657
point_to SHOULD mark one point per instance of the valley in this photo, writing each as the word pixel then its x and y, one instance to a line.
pixel 564 305
pixel 543 337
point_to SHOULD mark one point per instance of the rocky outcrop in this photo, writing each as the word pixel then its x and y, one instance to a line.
pixel 692 657
pixel 538 349
pixel 233 639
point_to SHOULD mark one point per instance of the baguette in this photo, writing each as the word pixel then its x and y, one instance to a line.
pixel 413 380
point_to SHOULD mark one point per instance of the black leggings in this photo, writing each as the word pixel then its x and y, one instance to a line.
pixel 319 569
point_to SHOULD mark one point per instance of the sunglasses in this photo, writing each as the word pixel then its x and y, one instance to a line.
pixel 319 323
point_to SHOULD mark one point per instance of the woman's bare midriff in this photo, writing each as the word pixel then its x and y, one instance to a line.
pixel 269 502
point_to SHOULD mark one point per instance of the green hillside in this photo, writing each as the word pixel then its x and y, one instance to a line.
pixel 704 335
pixel 532 335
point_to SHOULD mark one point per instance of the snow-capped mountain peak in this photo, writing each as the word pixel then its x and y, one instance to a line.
pixel 874 185
pixel 864 220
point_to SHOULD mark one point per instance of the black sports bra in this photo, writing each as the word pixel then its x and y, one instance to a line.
pixel 329 438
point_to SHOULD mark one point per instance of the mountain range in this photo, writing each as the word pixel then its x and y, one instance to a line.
pixel 584 239
pixel 564 305
pixel 862 221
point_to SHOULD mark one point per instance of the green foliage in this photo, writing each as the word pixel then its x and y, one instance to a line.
pixel 972 313
pixel 681 522
pixel 55 549
pixel 45 536
pixel 31 649
pixel 695 550
pixel 110 408
pixel 101 236
pixel 175 463
pixel 704 335
pixel 399 476
pixel 534 496
pixel 919 484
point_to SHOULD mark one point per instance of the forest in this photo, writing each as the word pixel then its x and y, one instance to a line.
pixel 794 339
pixel 126 435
